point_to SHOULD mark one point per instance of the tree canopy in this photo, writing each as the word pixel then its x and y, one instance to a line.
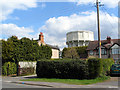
pixel 14 50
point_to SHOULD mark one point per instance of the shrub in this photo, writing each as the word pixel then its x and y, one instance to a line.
pixel 95 67
pixel 9 68
pixel 107 63
pixel 72 69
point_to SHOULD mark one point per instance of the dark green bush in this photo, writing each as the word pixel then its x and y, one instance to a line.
pixel 95 67
pixel 9 68
pixel 72 69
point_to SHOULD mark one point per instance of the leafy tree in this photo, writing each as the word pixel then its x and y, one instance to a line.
pixel 82 52
pixel 71 53
pixel 7 51
pixel 45 52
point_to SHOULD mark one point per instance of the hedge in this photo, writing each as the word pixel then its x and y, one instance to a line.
pixel 99 67
pixel 74 69
pixel 9 68
pixel 95 67
pixel 107 63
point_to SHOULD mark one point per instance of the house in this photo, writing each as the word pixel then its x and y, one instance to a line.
pixel 55 49
pixel 110 48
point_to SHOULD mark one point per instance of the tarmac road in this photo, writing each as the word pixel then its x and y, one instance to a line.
pixel 9 82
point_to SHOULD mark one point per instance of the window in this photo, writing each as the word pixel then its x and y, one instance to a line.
pixel 116 51
pixel 91 52
pixel 103 51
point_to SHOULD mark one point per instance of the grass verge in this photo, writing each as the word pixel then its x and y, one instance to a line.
pixel 70 81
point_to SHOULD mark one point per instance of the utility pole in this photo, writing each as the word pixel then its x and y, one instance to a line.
pixel 99 35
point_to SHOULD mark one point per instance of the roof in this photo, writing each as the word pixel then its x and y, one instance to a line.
pixel 94 44
pixel 53 47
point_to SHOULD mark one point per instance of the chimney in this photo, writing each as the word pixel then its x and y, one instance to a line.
pixel 41 37
pixel 108 39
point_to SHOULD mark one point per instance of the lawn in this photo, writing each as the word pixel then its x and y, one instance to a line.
pixel 70 81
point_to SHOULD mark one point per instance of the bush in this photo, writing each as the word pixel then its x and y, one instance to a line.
pixel 9 68
pixel 72 69
pixel 107 63
pixel 95 67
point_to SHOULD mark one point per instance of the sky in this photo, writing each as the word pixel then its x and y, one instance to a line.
pixel 55 18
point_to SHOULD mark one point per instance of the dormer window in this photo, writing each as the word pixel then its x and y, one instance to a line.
pixel 116 49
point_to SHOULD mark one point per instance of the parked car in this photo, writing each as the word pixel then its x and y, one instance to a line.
pixel 115 70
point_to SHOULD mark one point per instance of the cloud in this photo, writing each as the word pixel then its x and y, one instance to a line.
pixel 9 30
pixel 8 6
pixel 55 29
pixel 108 3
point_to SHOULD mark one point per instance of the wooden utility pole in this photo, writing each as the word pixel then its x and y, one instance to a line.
pixel 99 35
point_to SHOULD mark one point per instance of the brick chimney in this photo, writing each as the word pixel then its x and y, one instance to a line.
pixel 108 39
pixel 41 37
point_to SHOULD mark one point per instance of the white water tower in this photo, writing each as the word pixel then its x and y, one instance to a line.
pixel 79 38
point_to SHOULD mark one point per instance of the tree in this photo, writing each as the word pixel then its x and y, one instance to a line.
pixel 63 52
pixel 71 53
pixel 82 52
pixel 7 51
pixel 45 52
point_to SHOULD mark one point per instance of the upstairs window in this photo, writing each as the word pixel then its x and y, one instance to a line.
pixel 116 51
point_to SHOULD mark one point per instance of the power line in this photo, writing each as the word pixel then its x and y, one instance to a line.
pixel 107 18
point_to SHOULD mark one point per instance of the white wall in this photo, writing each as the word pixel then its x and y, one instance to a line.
pixel 55 54
pixel 23 64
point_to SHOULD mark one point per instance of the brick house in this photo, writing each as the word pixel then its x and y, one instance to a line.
pixel 110 48
pixel 55 49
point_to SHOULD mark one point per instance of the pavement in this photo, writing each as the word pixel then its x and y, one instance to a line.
pixel 112 83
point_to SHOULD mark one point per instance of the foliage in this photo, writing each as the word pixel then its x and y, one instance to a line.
pixel 63 52
pixel 15 50
pixel 45 52
pixel 75 52
pixel 82 52
pixel 95 67
pixel 74 69
pixel 9 68
pixel 71 53
pixel 107 63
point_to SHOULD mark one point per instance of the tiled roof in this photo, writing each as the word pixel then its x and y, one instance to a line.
pixel 94 44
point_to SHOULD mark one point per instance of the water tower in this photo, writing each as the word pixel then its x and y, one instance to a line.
pixel 79 38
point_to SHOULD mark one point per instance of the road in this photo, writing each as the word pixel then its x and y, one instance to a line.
pixel 6 83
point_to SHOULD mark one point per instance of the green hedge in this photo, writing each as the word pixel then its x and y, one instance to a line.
pixel 99 67
pixel 74 69
pixel 9 68
pixel 95 67
pixel 107 63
